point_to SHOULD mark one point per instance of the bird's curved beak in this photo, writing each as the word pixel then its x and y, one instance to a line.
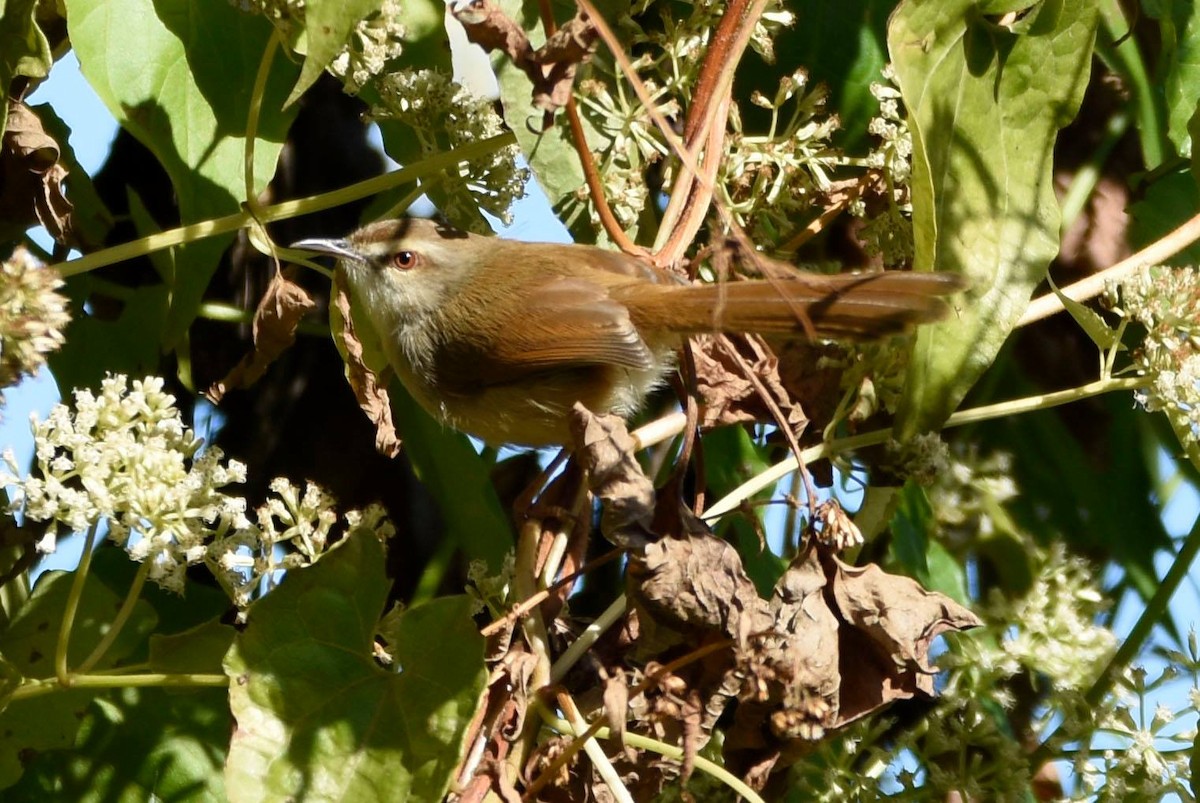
pixel 342 249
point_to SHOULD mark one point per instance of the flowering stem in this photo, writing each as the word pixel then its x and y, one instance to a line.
pixel 284 210
pixel 64 635
pixel 131 598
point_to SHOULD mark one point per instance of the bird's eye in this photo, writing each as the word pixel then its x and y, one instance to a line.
pixel 405 260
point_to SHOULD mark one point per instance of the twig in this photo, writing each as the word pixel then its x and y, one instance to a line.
pixel 1153 254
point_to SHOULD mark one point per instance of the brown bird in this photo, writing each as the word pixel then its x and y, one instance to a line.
pixel 499 339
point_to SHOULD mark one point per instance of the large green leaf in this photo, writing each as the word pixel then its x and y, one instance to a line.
pixel 23 48
pixel 984 105
pixel 318 719
pixel 179 77
pixel 144 744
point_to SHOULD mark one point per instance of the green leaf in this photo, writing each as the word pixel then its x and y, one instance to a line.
pixel 327 26
pixel 129 342
pixel 156 66
pixel 318 718
pixel 911 523
pixel 1167 203
pixel 24 49
pixel 984 107
pixel 51 721
pixel 200 650
pixel 1090 321
pixel 1179 65
pixel 143 744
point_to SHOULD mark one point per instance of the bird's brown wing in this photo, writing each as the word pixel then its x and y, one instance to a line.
pixel 561 324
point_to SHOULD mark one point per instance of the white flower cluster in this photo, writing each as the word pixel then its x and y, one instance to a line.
pixel 376 40
pixel 970 495
pixel 245 558
pixel 773 178
pixel 124 457
pixel 1166 301
pixel 444 115
pixel 1054 633
pixel 1140 760
pixel 889 233
pixel 32 316
pixel 894 154
pixel 633 139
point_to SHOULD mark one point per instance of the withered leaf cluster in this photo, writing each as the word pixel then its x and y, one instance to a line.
pixel 699 649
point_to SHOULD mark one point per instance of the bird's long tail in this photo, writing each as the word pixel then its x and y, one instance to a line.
pixel 850 305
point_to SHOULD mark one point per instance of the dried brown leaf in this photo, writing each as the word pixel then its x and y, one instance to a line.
pixel 616 702
pixel 791 669
pixel 489 27
pixel 371 393
pixel 279 312
pixel 728 395
pixel 31 178
pixel 551 68
pixel 890 623
pixel 695 583
pixel 603 447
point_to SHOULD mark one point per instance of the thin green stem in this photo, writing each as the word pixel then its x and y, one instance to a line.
pixel 253 114
pixel 1132 645
pixel 228 313
pixel 987 412
pixel 61 672
pixel 284 210
pixel 663 749
pixel 1126 58
pixel 118 623
pixel 1088 175
pixel 38 688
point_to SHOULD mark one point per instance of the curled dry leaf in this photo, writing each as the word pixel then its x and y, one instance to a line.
pixel 279 312
pixel 896 621
pixel 603 447
pixel 727 394
pixel 832 644
pixel 372 395
pixel 551 68
pixel 31 178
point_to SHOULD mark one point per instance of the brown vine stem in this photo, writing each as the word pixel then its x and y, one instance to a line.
pixel 639 88
pixel 591 173
pixel 1092 286
pixel 693 192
